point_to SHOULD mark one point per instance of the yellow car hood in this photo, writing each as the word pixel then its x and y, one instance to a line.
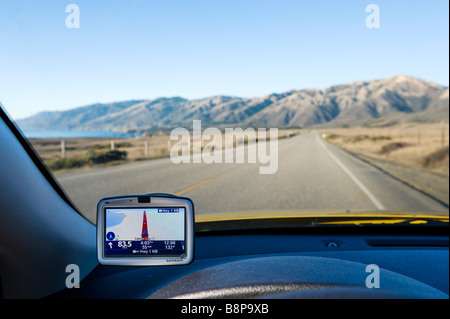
pixel 265 218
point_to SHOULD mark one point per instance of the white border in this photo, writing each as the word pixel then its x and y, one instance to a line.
pixel 155 202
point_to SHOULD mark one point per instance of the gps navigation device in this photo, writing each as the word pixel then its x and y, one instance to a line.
pixel 149 230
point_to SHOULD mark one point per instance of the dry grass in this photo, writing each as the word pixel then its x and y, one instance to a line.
pixel 422 146
pixel 77 147
pixel 50 149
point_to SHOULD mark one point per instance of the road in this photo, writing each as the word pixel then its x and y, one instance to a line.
pixel 312 175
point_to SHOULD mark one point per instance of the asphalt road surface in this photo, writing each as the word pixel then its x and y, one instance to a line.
pixel 312 175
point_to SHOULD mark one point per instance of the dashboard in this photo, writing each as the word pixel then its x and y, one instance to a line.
pixel 285 264
pixel 294 262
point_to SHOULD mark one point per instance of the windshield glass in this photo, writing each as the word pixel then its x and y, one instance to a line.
pixel 253 109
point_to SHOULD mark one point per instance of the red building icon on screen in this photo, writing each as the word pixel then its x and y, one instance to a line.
pixel 144 233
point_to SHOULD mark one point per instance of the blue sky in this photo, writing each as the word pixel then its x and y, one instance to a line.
pixel 196 48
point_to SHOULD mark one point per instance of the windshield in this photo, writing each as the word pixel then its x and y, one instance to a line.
pixel 253 109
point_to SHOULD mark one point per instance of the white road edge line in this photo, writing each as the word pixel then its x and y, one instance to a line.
pixel 366 191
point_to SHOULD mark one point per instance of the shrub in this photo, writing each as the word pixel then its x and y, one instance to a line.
pixel 91 157
pixel 437 157
pixel 388 148
pixel 60 163
pixel 106 157
pixel 332 137
pixel 380 138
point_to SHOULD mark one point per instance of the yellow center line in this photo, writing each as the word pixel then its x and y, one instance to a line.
pixel 187 190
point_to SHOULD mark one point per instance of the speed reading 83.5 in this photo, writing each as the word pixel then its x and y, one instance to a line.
pixel 124 244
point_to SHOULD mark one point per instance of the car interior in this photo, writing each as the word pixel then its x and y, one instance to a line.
pixel 42 233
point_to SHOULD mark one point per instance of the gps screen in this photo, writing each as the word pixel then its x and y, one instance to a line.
pixel 145 232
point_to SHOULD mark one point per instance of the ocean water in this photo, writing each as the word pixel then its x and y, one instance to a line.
pixel 74 134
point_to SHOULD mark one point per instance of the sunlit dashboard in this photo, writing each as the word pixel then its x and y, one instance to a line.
pixel 288 263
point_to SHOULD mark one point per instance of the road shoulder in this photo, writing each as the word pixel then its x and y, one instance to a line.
pixel 433 185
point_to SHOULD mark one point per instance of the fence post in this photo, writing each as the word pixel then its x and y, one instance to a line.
pixel 63 149
pixel 146 148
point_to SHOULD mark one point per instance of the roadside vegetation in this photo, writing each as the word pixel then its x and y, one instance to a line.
pixel 416 153
pixel 422 146
pixel 62 155
pixel 91 158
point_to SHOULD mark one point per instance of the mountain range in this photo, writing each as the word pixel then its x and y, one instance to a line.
pixel 347 104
